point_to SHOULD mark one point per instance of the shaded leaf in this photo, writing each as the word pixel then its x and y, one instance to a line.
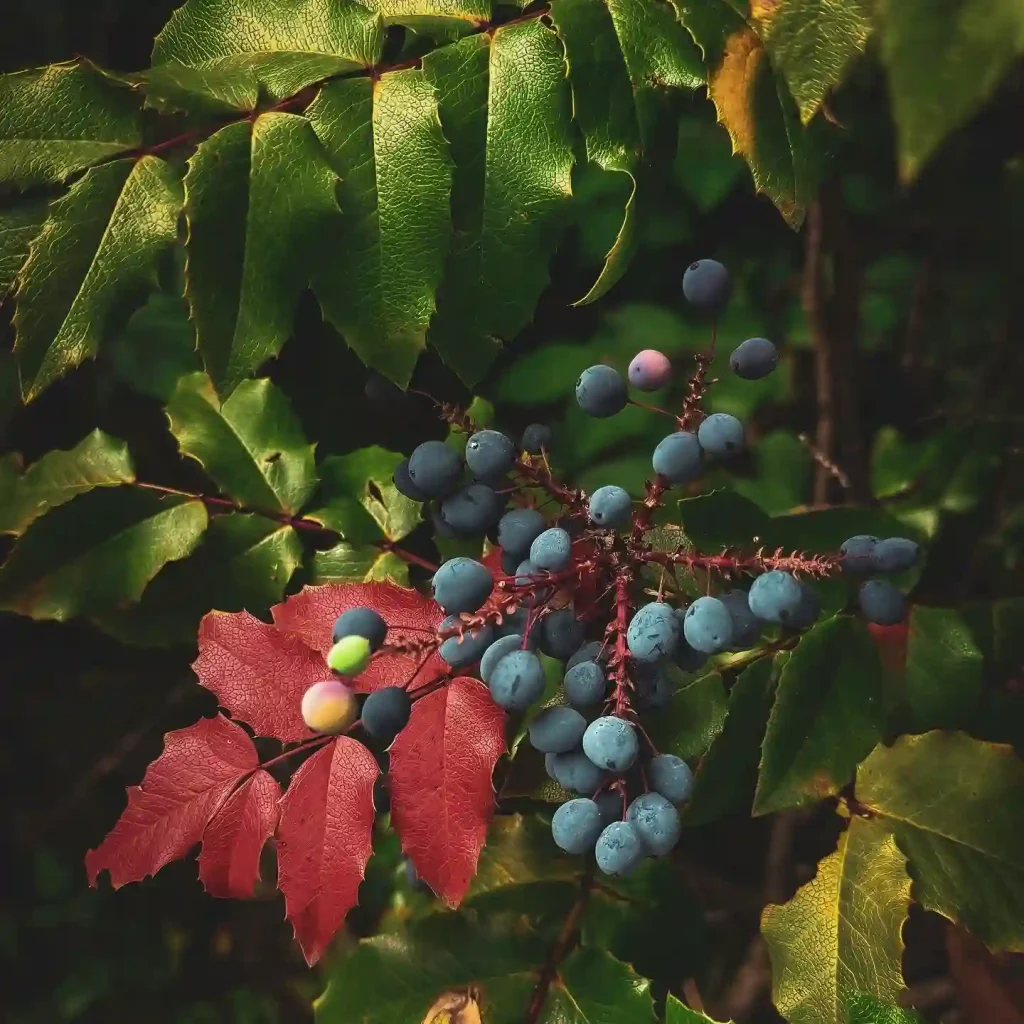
pixel 284 44
pixel 251 445
pixel 841 934
pixel 826 718
pixel 694 718
pixel 261 207
pixel 501 94
pixel 95 258
pixel 722 519
pixel 350 563
pixel 98 552
pixel 229 861
pixel 442 796
pixel 180 793
pixel 98 460
pixel 59 119
pixel 705 165
pixel 954 805
pixel 19 225
pixel 384 139
pixel 594 988
pixel 677 1013
pixel 324 840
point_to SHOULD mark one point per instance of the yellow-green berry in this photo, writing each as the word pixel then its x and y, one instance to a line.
pixel 350 655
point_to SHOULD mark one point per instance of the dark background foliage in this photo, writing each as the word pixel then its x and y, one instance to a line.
pixel 905 311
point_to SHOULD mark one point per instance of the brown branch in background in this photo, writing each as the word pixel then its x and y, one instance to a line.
pixel 824 377
pixel 825 462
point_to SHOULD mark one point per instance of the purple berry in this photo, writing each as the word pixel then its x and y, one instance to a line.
pixel 650 370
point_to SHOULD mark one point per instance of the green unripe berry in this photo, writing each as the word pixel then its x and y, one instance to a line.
pixel 350 655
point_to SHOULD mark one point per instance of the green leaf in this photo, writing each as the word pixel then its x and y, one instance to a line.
pixel 954 805
pixel 841 934
pixel 98 460
pixel 350 563
pixel 812 43
pixel 501 94
pixel 262 212
pixel 677 1013
pixel 60 119
pixel 694 718
pixel 705 165
pixel 98 552
pixel 442 19
pixel 944 669
pixel 206 90
pixel 285 44
pixel 725 778
pixel 722 519
pixel 593 987
pixel 605 113
pixel 754 104
pixel 243 562
pixel 544 375
pixel 19 226
pixel 863 1009
pixel 156 348
pixel 95 258
pixel 944 59
pixel 251 445
pixel 659 52
pixel 827 716
pixel 360 500
pixel 383 137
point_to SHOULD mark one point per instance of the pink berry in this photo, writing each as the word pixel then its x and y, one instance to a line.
pixel 329 707
pixel 650 370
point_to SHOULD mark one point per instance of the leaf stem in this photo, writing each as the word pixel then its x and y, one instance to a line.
pixel 812 565
pixel 316 741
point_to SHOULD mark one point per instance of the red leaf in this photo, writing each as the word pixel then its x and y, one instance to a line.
pixel 258 672
pixel 324 840
pixel 180 792
pixel 442 797
pixel 493 562
pixel 310 616
pixel 229 861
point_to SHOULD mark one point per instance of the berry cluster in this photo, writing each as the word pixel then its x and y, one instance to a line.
pixel 572 587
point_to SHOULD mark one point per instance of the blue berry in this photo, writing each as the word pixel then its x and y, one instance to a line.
pixel 746 627
pixel 536 437
pixel 653 632
pixel 489 453
pixel 496 651
pixel 469 647
pixel 654 688
pixel 552 550
pixel 473 510
pixel 526 574
pixel 561 634
pixel 610 507
pixel 754 358
pixel 881 603
pixel 585 684
pixel 671 777
pixel 517 680
pixel 361 621
pixel 895 554
pixel 576 825
pixel 518 529
pixel 609 803
pixel 601 391
pixel 859 554
pixel 775 597
pixel 435 469
pixel 678 457
pixel 611 743
pixel 808 610
pixel 462 585
pixel 707 625
pixel 593 651
pixel 720 435
pixel 618 849
pixel 404 485
pixel 707 286
pixel 575 772
pixel 650 370
pixel 557 730
pixel 656 822
pixel 386 711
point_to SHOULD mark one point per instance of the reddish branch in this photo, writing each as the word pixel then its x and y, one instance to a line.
pixel 653 493
pixel 615 635
pixel 696 386
pixel 574 499
pixel 796 563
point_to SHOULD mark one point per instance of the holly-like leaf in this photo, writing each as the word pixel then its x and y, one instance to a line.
pixel 436 18
pixel 310 616
pixel 208 90
pixel 694 718
pixel 813 43
pixel 251 445
pixel 283 44
pixel 324 840
pixel 383 137
pixel 826 718
pixel 98 460
pixel 593 988
pixel 19 225
pixel 863 1009
pixel 261 209
pixel 360 500
pixel 442 796
pixel 501 94
pixel 98 552
pixel 59 119
pixel 358 563
pixel 659 52
pixel 95 258
pixel 954 805
pixel 944 60
pixel 229 861
pixel 841 934
pixel 181 792
pixel 677 1013
pixel 722 518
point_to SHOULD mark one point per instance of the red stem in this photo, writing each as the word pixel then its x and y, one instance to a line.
pixel 817 565
pixel 316 741
pixel 574 499
pixel 620 655
pixel 654 492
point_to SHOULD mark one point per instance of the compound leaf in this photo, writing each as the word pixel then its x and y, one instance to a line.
pixel 659 52
pixel 19 226
pixel 443 17
pixel 677 1013
pixel 954 805
pixel 694 718
pixel 358 563
pixel 841 934
pixel 251 445
pixel 95 258
pixel 594 988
